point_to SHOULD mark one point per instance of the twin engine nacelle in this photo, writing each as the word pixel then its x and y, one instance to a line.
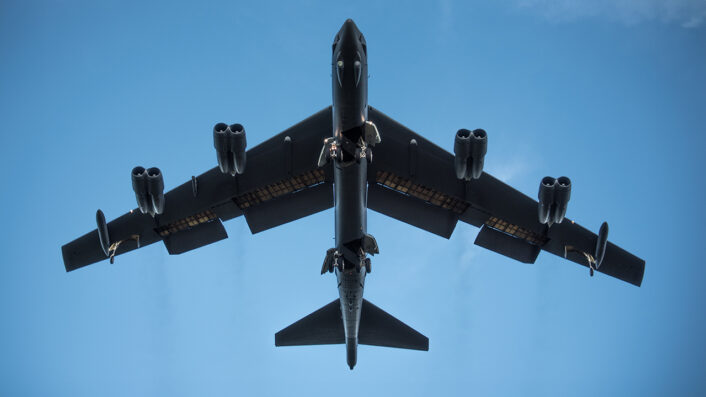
pixel 469 150
pixel 149 190
pixel 230 143
pixel 554 195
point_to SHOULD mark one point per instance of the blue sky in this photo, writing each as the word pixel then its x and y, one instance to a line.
pixel 611 94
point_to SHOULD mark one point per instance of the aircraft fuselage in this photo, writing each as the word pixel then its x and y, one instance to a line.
pixel 350 112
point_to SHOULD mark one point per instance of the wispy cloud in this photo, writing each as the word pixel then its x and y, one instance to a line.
pixel 687 13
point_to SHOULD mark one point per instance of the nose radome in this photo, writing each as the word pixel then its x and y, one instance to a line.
pixel 349 25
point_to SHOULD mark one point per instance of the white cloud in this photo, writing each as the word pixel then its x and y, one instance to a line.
pixel 687 13
pixel 694 21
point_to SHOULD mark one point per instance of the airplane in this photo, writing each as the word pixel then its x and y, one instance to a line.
pixel 327 161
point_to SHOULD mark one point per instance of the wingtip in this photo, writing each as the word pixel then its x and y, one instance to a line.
pixel 638 280
pixel 66 255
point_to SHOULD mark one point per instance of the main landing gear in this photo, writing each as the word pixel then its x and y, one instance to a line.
pixel 334 258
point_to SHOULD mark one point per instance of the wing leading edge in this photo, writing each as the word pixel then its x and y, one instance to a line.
pixel 281 183
pixel 413 180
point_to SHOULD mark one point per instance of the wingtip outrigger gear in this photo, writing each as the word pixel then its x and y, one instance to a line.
pixel 109 248
pixel 595 260
pixel 592 265
pixel 114 247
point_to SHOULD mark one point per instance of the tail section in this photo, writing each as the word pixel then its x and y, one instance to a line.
pixel 378 328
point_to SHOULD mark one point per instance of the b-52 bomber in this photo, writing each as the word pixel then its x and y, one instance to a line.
pixel 327 161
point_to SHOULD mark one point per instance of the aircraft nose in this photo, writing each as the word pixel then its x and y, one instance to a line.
pixel 350 27
pixel 348 37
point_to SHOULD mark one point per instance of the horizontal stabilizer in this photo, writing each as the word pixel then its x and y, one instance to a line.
pixel 322 327
pixel 378 328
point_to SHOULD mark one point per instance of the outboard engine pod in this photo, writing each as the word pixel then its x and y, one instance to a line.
pixel 546 199
pixel 469 150
pixel 139 186
pixel 562 194
pixel 479 146
pixel 230 144
pixel 155 188
pixel 462 151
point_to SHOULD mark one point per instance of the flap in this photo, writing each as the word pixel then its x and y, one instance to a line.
pixel 195 237
pixel 289 207
pixel 412 210
pixel 505 244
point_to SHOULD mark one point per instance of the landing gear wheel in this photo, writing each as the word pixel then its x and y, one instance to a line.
pixel 367 265
pixel 358 154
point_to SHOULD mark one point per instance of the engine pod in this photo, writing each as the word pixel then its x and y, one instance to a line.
pixel 479 147
pixel 462 151
pixel 562 194
pixel 155 188
pixel 139 186
pixel 220 143
pixel 236 136
pixel 230 144
pixel 546 199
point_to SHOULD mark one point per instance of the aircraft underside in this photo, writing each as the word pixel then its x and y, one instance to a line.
pixel 352 157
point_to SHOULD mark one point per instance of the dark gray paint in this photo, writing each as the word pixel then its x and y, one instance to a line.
pixel 402 153
pixel 350 112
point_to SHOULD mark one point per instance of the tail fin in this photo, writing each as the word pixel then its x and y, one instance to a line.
pixel 322 327
pixel 378 328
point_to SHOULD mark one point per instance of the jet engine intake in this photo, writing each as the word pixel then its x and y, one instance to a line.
pixel 230 143
pixel 546 198
pixel 148 186
pixel 139 186
pixel 470 148
pixel 155 188
pixel 554 195
pixel 562 194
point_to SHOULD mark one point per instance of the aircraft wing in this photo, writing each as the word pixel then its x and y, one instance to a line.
pixel 413 180
pixel 281 183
